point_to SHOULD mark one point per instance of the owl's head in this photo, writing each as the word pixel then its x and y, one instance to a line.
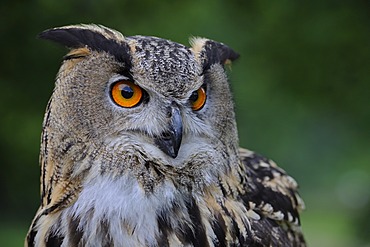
pixel 170 103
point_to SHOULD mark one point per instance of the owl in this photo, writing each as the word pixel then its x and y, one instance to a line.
pixel 140 147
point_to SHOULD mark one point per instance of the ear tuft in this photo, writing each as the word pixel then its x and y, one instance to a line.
pixel 77 36
pixel 210 52
pixel 94 37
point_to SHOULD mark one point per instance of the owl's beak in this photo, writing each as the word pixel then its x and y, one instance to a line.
pixel 169 142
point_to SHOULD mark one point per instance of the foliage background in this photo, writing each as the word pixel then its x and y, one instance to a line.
pixel 301 88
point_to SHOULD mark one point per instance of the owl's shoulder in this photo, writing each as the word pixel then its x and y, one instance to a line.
pixel 272 195
pixel 270 188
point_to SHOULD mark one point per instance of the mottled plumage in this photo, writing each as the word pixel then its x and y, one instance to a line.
pixel 160 166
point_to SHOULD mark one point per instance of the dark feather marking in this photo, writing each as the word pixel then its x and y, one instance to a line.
pixel 78 37
pixel 185 235
pixel 73 56
pixel 45 150
pixel 219 228
pixel 214 52
pixel 235 229
pixel 50 190
pixel 67 147
pixel 251 239
pixel 75 234
pixel 54 241
pixel 165 229
pixel 223 190
pixel 264 229
pixel 261 194
pixel 56 205
pixel 279 202
pixel 256 158
pixel 196 236
pixel 107 240
pixel 31 236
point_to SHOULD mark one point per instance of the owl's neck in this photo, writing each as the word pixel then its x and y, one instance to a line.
pixel 122 209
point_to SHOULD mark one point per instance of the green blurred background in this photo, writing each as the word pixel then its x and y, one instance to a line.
pixel 301 88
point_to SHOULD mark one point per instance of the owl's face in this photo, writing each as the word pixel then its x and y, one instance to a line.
pixel 170 103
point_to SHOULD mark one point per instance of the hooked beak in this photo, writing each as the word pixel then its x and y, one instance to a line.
pixel 169 142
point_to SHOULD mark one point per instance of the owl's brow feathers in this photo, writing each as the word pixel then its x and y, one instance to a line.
pixel 104 39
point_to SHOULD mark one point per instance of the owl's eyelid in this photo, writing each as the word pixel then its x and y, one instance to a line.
pixel 204 86
pixel 117 77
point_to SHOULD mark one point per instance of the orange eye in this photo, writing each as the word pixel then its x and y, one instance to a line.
pixel 198 98
pixel 126 94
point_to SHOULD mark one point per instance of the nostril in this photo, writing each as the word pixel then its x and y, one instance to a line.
pixel 166 135
pixel 169 112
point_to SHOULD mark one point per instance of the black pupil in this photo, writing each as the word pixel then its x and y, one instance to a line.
pixel 194 96
pixel 127 92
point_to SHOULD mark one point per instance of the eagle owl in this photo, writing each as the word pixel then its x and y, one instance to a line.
pixel 140 148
